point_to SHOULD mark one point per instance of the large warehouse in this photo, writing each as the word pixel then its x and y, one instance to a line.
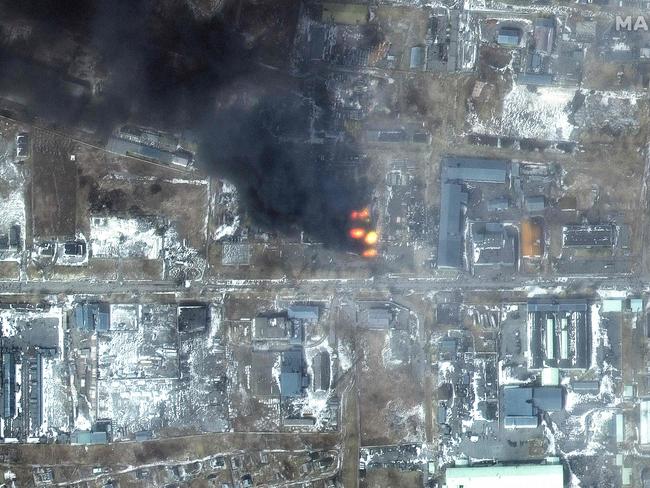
pixel 522 475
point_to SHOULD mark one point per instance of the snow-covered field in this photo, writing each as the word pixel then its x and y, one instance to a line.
pixel 113 237
pixel 12 196
pixel 56 399
pixel 542 114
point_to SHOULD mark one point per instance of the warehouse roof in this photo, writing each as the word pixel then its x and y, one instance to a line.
pixel 452 199
pixel 644 422
pixel 546 305
pixel 292 377
pixel 509 36
pixel 474 169
pixel 377 318
pixel 588 235
pixel 417 57
pixel 303 312
pixel 527 401
pixel 531 476
pixel 518 402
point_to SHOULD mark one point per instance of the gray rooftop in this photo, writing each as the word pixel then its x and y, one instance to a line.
pixel 548 398
pixel 450 234
pixel 92 316
pixel 85 437
pixel 550 305
pixel 292 373
pixel 303 312
pixel 529 401
pixel 535 203
pixel 377 318
pixel 518 401
pixel 479 170
pixel 417 57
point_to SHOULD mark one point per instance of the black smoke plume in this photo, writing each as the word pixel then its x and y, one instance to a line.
pixel 167 68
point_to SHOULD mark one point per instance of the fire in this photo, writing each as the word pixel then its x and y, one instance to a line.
pixel 360 214
pixel 362 230
pixel 371 252
pixel 371 238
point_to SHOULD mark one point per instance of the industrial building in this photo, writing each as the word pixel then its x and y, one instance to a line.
pixel 321 366
pixel 644 422
pixel 418 56
pixel 477 170
pixel 85 437
pixel 129 148
pixel 303 312
pixel 497 204
pixel 92 316
pixel 517 476
pixel 376 318
pixel 8 384
pixel 522 405
pixel 275 327
pixel 544 35
pixel 602 235
pixel 36 391
pixel 193 318
pixel 535 203
pixel 453 202
pixel 509 36
pixel 492 245
pixel 293 379
pixel 559 334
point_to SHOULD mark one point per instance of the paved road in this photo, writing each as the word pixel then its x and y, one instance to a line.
pixel 394 284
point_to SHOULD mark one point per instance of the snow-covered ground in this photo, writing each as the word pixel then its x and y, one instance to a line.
pixel 541 114
pixel 113 237
pixel 56 399
pixel 12 197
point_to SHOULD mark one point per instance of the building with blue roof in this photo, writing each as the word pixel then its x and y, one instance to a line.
pixel 303 312
pixel 293 379
pixel 92 316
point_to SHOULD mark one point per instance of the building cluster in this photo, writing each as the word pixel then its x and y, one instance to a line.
pixel 283 371
pixel 501 216
pixel 437 45
pixel 31 343
pixel 142 367
pixel 550 381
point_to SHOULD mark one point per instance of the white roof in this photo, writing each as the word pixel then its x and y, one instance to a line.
pixel 644 422
pixel 530 476
pixel 612 305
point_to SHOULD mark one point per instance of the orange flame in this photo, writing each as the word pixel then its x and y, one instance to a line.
pixel 360 214
pixel 357 233
pixel 371 238
pixel 369 253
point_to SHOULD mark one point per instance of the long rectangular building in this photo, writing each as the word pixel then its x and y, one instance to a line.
pixel 450 234
pixel 477 170
pixel 528 475
pixel 588 235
